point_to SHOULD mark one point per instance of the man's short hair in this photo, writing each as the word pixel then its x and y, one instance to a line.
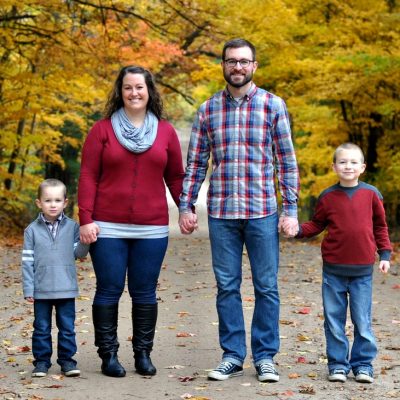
pixel 237 43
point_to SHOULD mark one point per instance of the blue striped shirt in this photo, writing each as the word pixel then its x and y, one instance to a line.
pixel 250 143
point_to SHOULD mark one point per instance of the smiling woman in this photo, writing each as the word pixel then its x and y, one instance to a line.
pixel 127 159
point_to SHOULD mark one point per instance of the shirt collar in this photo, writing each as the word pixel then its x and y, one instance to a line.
pixel 250 93
pixel 57 220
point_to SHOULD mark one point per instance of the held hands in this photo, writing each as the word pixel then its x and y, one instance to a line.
pixel 187 223
pixel 88 233
pixel 384 266
pixel 288 225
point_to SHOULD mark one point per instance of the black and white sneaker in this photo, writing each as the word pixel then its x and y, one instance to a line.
pixel 337 375
pixel 225 370
pixel 364 377
pixel 266 372
pixel 40 370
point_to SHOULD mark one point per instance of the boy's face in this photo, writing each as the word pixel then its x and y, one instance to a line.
pixel 349 166
pixel 52 202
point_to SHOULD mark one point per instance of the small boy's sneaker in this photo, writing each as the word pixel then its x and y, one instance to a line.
pixel 266 372
pixel 337 375
pixel 40 370
pixel 69 369
pixel 364 377
pixel 225 370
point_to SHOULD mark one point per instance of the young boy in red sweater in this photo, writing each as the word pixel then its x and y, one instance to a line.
pixel 353 214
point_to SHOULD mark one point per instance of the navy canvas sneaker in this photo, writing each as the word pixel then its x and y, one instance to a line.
pixel 337 375
pixel 364 376
pixel 225 370
pixel 69 369
pixel 266 372
pixel 40 370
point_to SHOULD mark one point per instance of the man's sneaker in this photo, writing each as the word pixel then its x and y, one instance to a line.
pixel 266 372
pixel 70 369
pixel 225 370
pixel 337 375
pixel 364 377
pixel 40 370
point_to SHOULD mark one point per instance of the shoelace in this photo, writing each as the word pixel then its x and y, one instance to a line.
pixel 267 369
pixel 339 371
pixel 224 366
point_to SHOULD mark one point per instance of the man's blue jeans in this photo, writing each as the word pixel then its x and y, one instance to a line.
pixel 41 337
pixel 261 238
pixel 337 293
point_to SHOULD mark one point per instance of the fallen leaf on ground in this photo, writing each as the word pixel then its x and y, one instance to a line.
pixel 185 334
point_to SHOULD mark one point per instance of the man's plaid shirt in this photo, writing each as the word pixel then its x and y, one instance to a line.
pixel 250 141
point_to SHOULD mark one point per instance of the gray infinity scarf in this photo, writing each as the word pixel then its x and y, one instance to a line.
pixel 134 139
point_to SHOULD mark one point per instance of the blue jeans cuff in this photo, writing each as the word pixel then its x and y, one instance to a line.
pixel 264 361
pixel 233 361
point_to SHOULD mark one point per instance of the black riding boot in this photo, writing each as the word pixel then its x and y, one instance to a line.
pixel 144 318
pixel 105 321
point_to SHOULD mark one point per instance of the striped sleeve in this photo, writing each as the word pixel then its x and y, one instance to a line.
pixel 28 258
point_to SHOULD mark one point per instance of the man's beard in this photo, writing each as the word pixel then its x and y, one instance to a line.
pixel 247 78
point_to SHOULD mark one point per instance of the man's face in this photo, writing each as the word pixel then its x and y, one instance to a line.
pixel 237 75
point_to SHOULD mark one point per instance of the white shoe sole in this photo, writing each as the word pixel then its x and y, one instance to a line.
pixel 220 377
pixel 337 378
pixel 72 373
pixel 364 378
pixel 268 378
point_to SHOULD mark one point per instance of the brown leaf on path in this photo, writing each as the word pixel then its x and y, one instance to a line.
pixel 397 286
pixel 294 375
pixel 301 360
pixel 304 310
pixel 185 334
pixel 186 378
pixel 308 389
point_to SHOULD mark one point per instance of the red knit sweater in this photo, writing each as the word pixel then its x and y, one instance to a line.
pixel 116 185
pixel 356 229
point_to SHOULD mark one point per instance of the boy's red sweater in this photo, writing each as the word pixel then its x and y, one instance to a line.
pixel 356 229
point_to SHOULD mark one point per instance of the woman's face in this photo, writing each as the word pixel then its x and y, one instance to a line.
pixel 134 94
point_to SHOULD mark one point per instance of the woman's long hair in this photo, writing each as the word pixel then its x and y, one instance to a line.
pixel 115 101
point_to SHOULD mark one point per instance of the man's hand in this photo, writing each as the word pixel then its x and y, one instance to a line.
pixel 187 222
pixel 289 226
pixel 88 233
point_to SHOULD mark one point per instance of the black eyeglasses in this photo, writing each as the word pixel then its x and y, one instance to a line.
pixel 231 63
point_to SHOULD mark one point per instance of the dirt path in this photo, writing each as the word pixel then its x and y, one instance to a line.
pixel 186 343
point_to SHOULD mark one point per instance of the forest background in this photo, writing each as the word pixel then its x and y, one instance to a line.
pixel 336 63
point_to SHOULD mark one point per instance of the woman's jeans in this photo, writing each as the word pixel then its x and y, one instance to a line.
pixel 41 337
pixel 261 238
pixel 337 292
pixel 113 259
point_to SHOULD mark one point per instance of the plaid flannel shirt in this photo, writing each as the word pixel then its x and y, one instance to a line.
pixel 250 143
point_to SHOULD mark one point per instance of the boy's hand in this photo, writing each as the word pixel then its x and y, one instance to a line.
pixel 30 299
pixel 384 266
pixel 289 226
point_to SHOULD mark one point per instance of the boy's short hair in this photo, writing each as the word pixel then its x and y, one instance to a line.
pixel 51 183
pixel 348 146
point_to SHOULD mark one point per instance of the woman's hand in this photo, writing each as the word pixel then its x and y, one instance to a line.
pixel 88 233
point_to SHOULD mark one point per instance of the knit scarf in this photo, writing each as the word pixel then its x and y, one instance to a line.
pixel 137 140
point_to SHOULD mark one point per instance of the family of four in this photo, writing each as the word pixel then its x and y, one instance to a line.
pixel 131 156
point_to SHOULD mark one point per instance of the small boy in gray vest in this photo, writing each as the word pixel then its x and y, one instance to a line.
pixel 51 245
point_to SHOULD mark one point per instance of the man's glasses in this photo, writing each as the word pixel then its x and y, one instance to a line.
pixel 231 63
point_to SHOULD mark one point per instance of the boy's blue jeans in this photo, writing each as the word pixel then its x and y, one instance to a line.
pixel 41 337
pixel 337 293
pixel 227 237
